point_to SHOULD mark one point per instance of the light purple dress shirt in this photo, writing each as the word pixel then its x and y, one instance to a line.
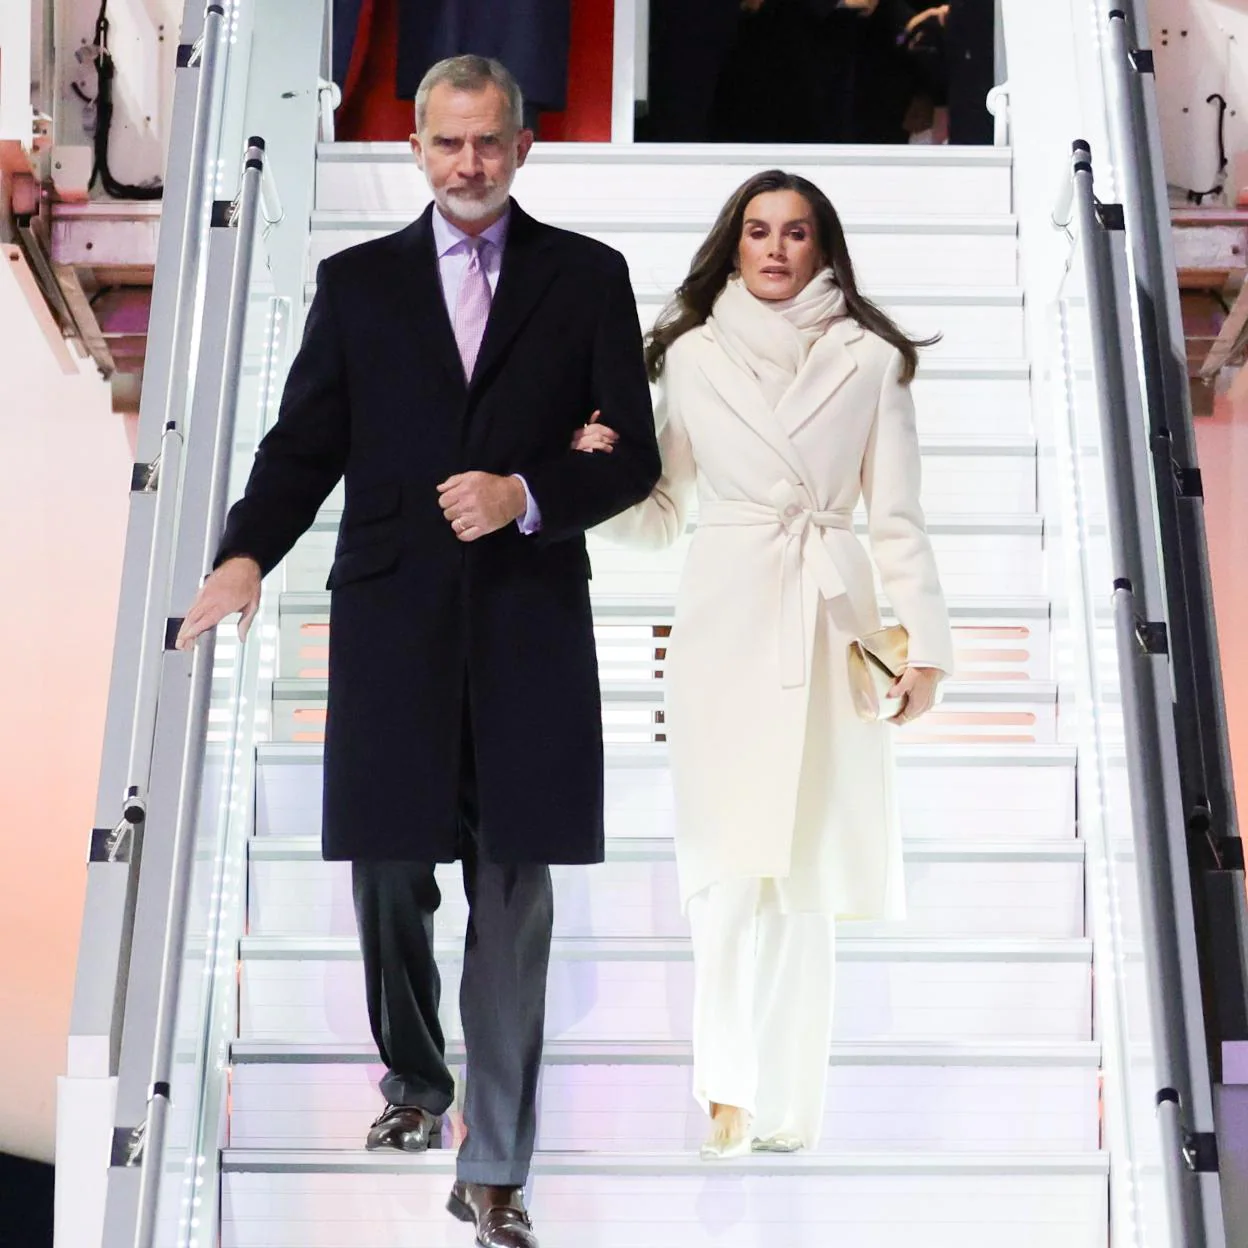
pixel 452 246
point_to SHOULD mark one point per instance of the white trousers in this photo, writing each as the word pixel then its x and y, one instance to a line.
pixel 762 1006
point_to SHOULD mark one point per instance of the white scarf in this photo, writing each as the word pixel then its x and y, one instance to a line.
pixel 772 339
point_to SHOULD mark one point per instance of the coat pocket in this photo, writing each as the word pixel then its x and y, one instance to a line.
pixel 363 564
pixel 369 504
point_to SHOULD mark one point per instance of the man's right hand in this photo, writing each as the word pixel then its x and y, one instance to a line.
pixel 234 586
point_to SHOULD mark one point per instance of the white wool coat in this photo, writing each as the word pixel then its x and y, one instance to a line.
pixel 774 774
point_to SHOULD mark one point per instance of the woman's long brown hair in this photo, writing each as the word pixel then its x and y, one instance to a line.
pixel 717 259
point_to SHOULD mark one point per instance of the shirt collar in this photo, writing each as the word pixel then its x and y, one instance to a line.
pixel 446 237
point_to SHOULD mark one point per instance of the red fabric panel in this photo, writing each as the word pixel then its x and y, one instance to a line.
pixel 369 110
pixel 587 118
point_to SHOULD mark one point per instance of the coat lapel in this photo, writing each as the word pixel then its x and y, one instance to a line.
pixel 829 366
pixel 428 303
pixel 743 397
pixel 525 276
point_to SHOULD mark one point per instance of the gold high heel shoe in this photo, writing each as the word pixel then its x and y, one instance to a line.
pixel 730 1134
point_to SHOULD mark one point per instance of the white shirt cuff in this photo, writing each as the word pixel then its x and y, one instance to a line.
pixel 531 521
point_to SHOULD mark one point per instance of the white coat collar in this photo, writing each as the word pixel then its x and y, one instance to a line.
pixel 829 366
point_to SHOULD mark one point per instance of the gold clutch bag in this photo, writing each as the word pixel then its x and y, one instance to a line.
pixel 875 662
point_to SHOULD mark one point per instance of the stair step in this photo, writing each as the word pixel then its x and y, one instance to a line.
pixel 342 1199
pixel 442 1162
pixel 613 1098
pixel 976 475
pixel 967 525
pixel 658 849
pixel 972 397
pixel 632 710
pixel 655 949
pixel 639 990
pixel 661 608
pixel 977 555
pixel 590 180
pixel 583 1053
pixel 953 692
pixel 994 639
pixel 971 793
pixel 888 250
pixel 952 889
pixel 985 322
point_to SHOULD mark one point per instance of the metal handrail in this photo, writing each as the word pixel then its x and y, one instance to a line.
pixel 166 468
pixel 1211 882
pixel 1151 738
pixel 1163 356
pixel 208 528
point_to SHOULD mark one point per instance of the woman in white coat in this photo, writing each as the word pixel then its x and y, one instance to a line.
pixel 786 398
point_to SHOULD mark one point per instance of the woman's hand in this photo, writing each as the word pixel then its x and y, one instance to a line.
pixel 593 437
pixel 917 686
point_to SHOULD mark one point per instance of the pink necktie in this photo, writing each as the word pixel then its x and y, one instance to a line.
pixel 472 308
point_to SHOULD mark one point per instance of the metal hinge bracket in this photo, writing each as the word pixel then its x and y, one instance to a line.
pixel 145 478
pixel 1111 216
pixel 128 1144
pixel 1189 481
pixel 112 844
pixel 1152 636
pixel 1200 1151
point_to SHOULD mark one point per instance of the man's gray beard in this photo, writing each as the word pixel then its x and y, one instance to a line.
pixel 466 208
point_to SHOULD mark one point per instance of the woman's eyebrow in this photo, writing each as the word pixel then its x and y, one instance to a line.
pixel 788 224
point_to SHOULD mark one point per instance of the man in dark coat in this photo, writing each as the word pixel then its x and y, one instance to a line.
pixel 443 372
pixel 529 36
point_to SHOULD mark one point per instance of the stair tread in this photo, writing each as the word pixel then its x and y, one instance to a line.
pixel 671 949
pixel 297 688
pixel 1027 524
pixel 706 154
pixel 579 1052
pixel 270 848
pixel 441 1162
pixel 887 295
pixel 1029 607
pixel 654 754
pixel 329 219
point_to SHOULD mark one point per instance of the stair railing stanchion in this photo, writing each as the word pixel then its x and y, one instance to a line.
pixel 206 532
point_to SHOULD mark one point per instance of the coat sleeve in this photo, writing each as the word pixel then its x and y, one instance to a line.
pixel 303 456
pixel 900 545
pixel 576 491
pixel 659 519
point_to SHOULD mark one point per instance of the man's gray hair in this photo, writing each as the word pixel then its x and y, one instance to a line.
pixel 470 73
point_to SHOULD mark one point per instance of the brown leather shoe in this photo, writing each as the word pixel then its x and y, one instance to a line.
pixel 498 1213
pixel 405 1127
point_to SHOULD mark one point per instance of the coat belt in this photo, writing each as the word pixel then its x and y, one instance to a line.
pixel 804 553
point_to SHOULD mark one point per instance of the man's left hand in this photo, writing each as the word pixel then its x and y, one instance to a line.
pixel 480 503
